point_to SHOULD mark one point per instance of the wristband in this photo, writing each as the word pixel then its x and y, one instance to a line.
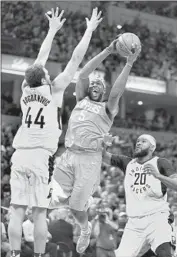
pixel 129 65
pixel 109 51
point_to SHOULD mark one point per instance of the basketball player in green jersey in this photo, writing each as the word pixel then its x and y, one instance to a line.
pixel 77 173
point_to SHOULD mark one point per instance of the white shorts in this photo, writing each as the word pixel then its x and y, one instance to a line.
pixel 142 234
pixel 30 178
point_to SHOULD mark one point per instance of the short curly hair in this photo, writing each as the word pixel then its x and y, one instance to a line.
pixel 34 74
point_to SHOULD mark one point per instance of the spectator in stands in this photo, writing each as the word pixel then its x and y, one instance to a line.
pixel 157 45
pixel 104 230
pixel 61 229
pixel 5 246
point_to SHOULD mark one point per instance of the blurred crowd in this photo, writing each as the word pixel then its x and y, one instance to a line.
pixel 26 21
pixel 154 120
pixel 167 9
pixel 107 211
pixel 8 107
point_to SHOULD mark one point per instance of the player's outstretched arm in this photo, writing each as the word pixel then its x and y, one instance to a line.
pixel 115 160
pixel 83 79
pixel 120 83
pixel 64 78
pixel 55 23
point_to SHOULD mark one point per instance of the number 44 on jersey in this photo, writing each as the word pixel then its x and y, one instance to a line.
pixel 39 119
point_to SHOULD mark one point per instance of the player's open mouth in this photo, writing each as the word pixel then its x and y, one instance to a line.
pixel 95 92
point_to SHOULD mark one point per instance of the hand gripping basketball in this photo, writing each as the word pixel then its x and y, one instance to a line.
pixel 133 56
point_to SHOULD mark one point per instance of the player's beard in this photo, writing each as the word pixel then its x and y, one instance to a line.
pixel 142 153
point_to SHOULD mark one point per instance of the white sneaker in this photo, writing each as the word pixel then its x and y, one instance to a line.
pixel 84 239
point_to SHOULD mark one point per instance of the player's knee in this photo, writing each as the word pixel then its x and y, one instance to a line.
pixel 16 221
pixel 17 214
pixel 39 214
pixel 40 223
pixel 164 250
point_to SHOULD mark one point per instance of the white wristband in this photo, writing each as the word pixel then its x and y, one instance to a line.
pixel 129 65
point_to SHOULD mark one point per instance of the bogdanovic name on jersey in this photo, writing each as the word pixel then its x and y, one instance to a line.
pixel 35 97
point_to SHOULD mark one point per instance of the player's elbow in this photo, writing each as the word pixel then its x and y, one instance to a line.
pixel 81 76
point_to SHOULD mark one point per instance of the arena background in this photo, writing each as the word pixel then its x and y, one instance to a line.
pixel 148 104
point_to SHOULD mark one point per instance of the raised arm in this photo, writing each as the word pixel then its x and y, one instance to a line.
pixel 83 79
pixel 120 83
pixel 55 23
pixel 64 78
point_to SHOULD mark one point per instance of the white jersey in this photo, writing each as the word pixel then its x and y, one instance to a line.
pixel 144 193
pixel 40 126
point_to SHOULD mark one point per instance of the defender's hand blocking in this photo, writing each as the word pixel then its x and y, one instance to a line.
pixel 55 22
pixel 95 20
pixel 132 57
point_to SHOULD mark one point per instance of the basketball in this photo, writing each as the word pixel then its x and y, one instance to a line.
pixel 126 43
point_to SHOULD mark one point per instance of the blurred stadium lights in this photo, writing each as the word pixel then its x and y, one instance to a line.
pixel 140 103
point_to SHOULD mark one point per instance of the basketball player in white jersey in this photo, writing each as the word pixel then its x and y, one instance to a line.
pixel 147 178
pixel 78 170
pixel 37 139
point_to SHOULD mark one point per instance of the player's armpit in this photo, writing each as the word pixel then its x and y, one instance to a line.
pixel 82 85
pixel 165 167
pixel 112 110
pixel 113 106
pixel 58 98
pixel 61 82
